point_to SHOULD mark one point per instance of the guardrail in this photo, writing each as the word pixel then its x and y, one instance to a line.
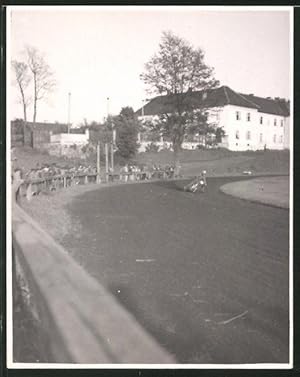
pixel 30 187
pixel 81 321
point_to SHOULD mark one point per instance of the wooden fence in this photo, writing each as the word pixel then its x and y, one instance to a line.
pixel 33 187
pixel 81 321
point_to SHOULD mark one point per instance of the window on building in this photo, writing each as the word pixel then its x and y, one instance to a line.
pixel 274 138
pixel 275 122
pixel 281 139
pixel 238 115
pixel 237 134
pixel 261 120
pixel 260 138
pixel 248 135
pixel 281 123
pixel 248 117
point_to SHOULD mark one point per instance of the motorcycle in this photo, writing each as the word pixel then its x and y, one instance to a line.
pixel 198 184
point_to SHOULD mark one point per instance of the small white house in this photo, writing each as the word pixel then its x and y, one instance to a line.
pixel 249 122
pixel 68 139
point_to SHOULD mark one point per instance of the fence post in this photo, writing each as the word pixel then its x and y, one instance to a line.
pixel 106 162
pixel 65 182
pixel 98 178
pixel 112 157
pixel 86 181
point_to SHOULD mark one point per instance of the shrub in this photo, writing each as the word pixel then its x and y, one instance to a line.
pixel 153 147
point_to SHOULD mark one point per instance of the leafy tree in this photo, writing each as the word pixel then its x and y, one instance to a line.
pixel 43 77
pixel 176 71
pixel 127 128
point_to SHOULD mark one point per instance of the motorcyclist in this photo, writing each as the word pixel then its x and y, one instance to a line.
pixel 198 183
pixel 203 177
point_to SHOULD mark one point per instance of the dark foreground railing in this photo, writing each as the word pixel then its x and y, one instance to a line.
pixel 80 320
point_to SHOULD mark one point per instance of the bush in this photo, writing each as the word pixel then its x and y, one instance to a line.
pixel 153 148
pixel 84 149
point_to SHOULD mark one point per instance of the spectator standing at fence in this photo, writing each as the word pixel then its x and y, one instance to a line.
pixel 16 183
pixel 125 171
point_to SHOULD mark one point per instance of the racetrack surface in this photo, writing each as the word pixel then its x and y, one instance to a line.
pixel 206 274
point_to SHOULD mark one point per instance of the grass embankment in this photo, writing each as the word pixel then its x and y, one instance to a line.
pixel 223 162
pixel 271 191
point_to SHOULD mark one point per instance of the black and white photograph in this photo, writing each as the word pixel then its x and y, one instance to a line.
pixel 149 187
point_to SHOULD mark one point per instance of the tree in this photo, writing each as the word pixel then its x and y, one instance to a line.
pixel 127 127
pixel 23 80
pixel 176 71
pixel 43 77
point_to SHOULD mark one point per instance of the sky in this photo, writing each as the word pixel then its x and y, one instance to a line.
pixel 99 52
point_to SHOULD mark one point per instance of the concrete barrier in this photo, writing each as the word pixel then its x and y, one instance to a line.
pixel 80 320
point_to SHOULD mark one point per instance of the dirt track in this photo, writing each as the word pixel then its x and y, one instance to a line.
pixel 207 275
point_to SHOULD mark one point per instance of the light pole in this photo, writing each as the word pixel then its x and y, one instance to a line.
pixel 69 111
pixel 113 139
pixel 107 107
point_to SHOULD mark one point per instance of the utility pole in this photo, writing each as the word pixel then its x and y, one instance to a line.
pixel 69 112
pixel 113 139
pixel 112 157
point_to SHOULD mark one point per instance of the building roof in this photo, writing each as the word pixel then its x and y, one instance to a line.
pixel 218 97
pixel 276 106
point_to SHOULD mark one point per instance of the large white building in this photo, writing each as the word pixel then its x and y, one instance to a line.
pixel 249 122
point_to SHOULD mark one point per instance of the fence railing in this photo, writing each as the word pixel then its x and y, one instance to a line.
pixel 81 321
pixel 31 187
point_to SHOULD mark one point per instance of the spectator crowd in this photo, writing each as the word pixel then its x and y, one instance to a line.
pixel 144 172
pixel 48 171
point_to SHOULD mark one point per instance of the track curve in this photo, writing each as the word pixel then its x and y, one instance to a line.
pixel 207 275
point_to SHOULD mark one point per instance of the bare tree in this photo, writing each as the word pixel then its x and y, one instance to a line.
pixel 23 80
pixel 43 77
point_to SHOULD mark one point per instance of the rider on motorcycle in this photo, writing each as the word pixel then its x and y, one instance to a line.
pixel 199 183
